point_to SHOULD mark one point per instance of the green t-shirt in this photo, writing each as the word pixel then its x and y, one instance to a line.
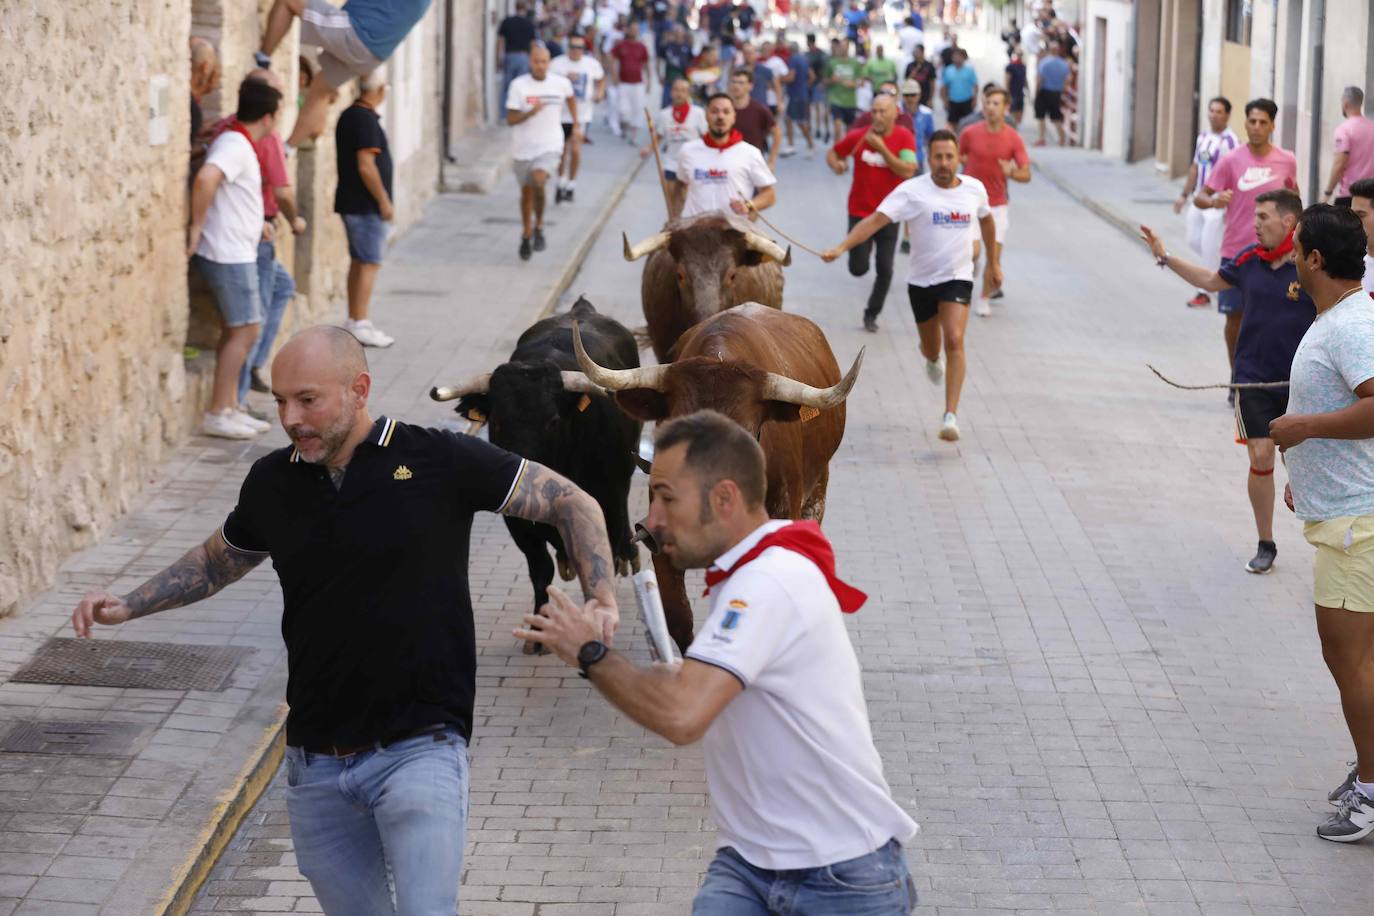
pixel 881 71
pixel 845 69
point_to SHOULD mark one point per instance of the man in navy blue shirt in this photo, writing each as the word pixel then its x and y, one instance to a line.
pixel 1277 314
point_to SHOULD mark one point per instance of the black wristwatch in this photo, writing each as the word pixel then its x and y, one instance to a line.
pixel 589 655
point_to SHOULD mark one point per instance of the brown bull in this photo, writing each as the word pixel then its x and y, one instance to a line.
pixel 772 373
pixel 704 265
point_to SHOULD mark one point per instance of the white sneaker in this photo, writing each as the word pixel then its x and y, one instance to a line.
pixel 788 150
pixel 244 418
pixel 935 370
pixel 225 425
pixel 949 429
pixel 368 335
pixel 981 307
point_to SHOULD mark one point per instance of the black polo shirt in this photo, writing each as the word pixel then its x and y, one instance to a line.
pixel 378 618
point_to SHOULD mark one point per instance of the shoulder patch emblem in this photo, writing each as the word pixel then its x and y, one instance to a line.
pixel 401 473
pixel 730 621
pixel 1293 289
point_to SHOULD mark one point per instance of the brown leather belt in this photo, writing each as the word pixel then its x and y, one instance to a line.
pixel 334 750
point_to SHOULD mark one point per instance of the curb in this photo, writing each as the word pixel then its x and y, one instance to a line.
pixel 266 756
pixel 230 811
pixel 1102 211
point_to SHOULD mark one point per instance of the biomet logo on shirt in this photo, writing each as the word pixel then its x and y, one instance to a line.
pixel 710 174
pixel 952 218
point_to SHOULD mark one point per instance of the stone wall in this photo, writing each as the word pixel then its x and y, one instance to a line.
pixel 95 312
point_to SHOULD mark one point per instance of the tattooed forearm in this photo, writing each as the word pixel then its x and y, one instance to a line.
pixel 204 570
pixel 548 497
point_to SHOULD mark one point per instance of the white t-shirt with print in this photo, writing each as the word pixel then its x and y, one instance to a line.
pixel 543 133
pixel 714 177
pixel 778 66
pixel 583 74
pixel 944 226
pixel 1333 478
pixel 675 135
pixel 794 778
pixel 1368 280
pixel 233 224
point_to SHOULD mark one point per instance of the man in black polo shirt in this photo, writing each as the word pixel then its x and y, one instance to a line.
pixel 367 524
pixel 1277 314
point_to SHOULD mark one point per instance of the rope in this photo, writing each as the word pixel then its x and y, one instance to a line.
pixel 766 222
pixel 1237 385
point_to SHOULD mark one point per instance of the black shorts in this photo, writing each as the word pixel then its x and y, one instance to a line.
pixel 1048 105
pixel 1256 408
pixel 567 131
pixel 925 300
pixel 843 114
pixel 957 111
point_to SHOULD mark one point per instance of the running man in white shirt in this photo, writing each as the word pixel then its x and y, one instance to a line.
pixel 588 80
pixel 676 125
pixel 942 208
pixel 533 107
pixel 720 171
pixel 771 686
pixel 1204 227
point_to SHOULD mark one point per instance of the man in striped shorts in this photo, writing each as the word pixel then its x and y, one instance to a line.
pixel 1204 226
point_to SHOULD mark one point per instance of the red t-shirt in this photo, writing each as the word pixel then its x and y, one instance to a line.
pixel 873 180
pixel 632 56
pixel 981 150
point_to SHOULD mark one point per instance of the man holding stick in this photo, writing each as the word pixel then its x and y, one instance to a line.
pixel 669 131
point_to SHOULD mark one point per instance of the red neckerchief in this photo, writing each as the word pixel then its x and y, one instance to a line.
pixel 1269 255
pixel 680 112
pixel 735 137
pixel 806 539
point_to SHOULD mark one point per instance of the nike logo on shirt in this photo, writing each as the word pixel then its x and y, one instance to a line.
pixel 1255 176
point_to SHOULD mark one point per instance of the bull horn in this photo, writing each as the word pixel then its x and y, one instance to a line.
pixel 616 379
pixel 578 382
pixel 475 385
pixel 766 246
pixel 648 246
pixel 790 391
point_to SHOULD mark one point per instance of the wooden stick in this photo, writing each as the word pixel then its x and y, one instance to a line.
pixel 662 180
pixel 1237 385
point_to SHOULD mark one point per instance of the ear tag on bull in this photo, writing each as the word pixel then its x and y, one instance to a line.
pixel 808 413
pixel 476 416
pixel 583 404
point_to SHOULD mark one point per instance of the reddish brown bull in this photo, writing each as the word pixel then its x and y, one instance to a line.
pixel 704 265
pixel 772 373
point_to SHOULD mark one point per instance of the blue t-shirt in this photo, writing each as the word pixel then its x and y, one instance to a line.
pixel 1054 73
pixel 962 82
pixel 1277 313
pixel 853 19
pixel 763 81
pixel 383 24
pixel 801 72
pixel 925 126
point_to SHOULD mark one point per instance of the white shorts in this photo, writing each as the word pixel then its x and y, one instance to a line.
pixel 1205 228
pixel 1002 221
pixel 524 169
pixel 631 100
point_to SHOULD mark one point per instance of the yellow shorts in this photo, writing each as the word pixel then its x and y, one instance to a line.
pixel 1343 569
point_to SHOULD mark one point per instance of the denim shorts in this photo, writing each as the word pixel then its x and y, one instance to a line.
pixel 235 287
pixel 366 236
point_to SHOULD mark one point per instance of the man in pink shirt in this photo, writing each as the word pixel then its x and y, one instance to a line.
pixel 1239 178
pixel 1354 157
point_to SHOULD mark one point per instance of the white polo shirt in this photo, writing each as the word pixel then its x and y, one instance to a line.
pixel 795 780
pixel 714 177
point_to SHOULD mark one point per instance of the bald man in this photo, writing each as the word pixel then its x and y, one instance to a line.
pixel 534 104
pixel 205 74
pixel 367 524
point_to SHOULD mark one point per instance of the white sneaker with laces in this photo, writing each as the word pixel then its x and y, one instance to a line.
pixel 244 418
pixel 368 335
pixel 788 150
pixel 935 370
pixel 225 425
pixel 949 429
pixel 981 307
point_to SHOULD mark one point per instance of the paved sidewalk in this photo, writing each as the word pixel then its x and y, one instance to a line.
pixel 115 832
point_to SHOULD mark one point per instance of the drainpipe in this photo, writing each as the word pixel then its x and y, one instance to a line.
pixel 446 115
pixel 1318 70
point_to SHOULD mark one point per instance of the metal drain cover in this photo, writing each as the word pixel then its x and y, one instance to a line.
pixel 88 739
pixel 143 665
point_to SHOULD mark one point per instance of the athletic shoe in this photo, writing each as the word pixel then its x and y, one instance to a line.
pixel 245 418
pixel 225 425
pixel 870 324
pixel 256 383
pixel 1338 793
pixel 906 246
pixel 1353 821
pixel 538 240
pixel 557 196
pixel 997 295
pixel 981 308
pixel 263 60
pixel 1263 563
pixel 524 249
pixel 1200 301
pixel 368 335
pixel 949 428
pixel 935 370
pixel 788 150
pixel 568 195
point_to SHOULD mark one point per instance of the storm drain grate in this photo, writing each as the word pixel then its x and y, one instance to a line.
pixel 88 739
pixel 143 665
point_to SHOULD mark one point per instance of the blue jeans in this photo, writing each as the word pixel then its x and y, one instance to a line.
pixel 517 63
pixel 402 807
pixel 275 288
pixel 877 884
